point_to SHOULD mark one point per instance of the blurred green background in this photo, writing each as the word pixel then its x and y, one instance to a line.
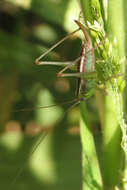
pixel 27 29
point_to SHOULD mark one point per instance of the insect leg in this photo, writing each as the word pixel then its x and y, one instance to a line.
pixel 68 66
pixel 57 63
pixel 83 75
pixel 37 61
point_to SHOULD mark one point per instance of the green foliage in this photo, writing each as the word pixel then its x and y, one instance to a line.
pixel 21 85
pixel 57 162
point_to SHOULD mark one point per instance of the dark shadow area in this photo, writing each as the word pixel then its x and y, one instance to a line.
pixel 21 82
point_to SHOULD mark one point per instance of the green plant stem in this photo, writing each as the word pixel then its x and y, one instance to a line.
pixel 112 153
pixel 111 162
pixel 86 9
pixel 115 26
pixel 91 171
pixel 90 164
pixel 111 145
pixel 113 156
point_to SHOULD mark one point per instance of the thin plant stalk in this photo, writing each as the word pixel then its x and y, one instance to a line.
pixel 111 152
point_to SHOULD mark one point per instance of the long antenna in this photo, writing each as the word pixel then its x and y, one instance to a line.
pixel 45 107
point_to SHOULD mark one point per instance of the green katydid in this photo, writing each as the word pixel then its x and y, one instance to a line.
pixel 85 74
pixel 85 64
